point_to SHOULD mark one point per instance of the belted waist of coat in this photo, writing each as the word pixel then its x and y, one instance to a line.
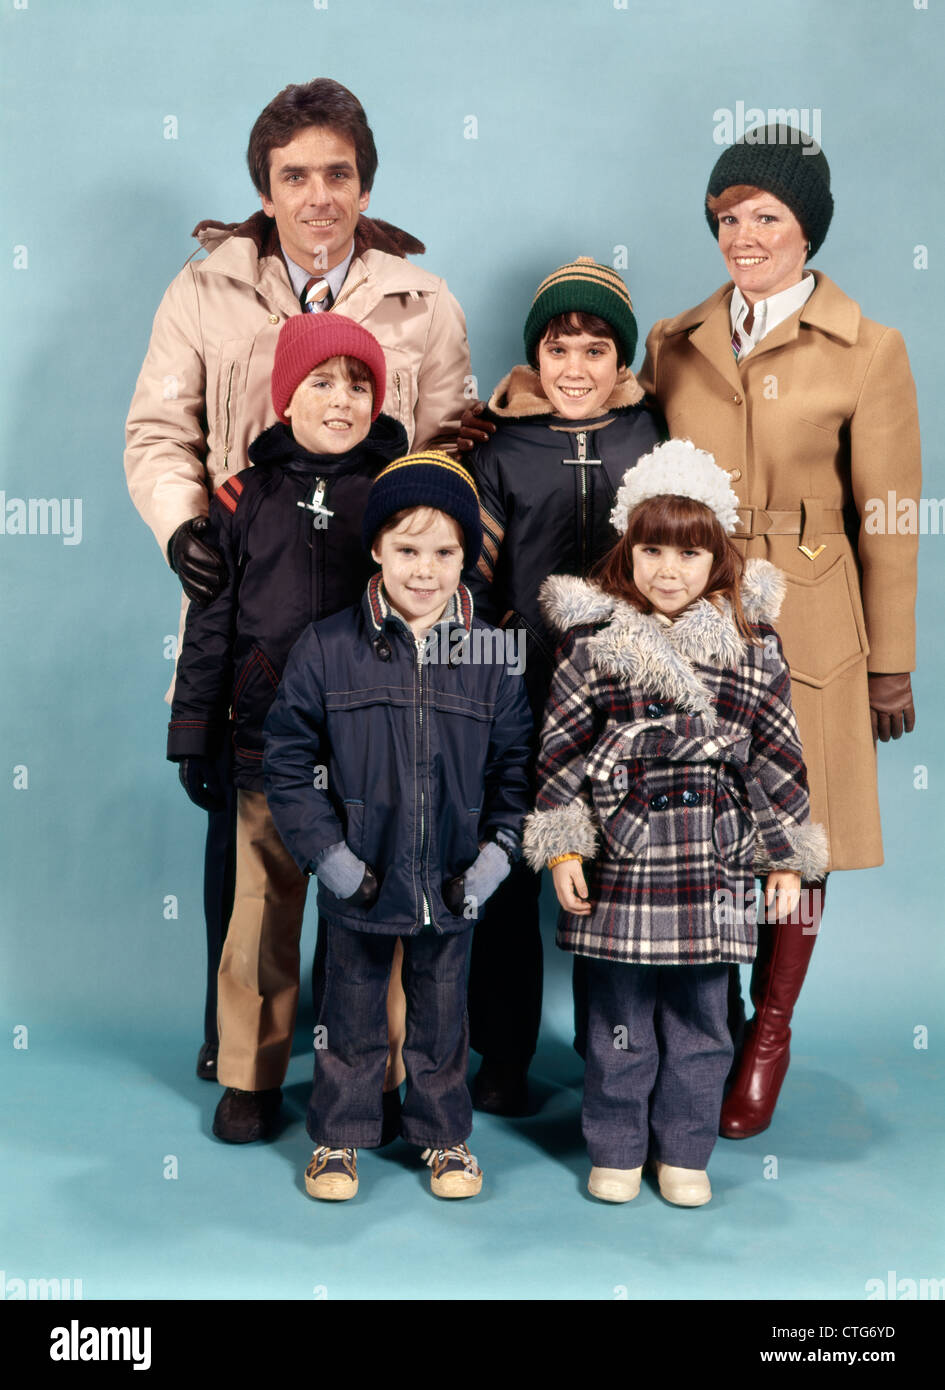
pixel 810 523
pixel 649 741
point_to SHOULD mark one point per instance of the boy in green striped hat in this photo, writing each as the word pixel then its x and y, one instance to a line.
pixel 560 432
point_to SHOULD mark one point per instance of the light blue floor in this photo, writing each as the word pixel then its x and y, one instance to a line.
pixel 94 1121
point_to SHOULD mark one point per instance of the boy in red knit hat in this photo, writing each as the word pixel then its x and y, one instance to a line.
pixel 289 529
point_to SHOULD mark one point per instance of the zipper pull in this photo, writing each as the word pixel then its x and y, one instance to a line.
pixel 316 503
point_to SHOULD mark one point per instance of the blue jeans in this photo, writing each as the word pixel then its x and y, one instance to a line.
pixel 658 1052
pixel 345 1109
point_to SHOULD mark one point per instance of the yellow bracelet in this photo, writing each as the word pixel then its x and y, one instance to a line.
pixel 560 859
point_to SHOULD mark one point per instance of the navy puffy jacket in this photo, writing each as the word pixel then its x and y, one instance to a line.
pixel 412 763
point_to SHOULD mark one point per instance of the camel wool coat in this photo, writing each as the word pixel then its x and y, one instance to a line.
pixel 814 422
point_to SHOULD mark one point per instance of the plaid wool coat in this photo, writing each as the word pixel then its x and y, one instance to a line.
pixel 670 760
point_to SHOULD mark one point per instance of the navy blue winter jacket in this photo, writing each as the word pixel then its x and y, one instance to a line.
pixel 413 762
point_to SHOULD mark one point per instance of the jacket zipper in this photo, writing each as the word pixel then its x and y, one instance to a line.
pixel 226 422
pixel 346 292
pixel 582 455
pixel 397 392
pixel 427 915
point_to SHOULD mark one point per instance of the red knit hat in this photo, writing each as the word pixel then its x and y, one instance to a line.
pixel 306 340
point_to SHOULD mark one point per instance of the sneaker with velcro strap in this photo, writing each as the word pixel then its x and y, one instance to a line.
pixel 332 1174
pixel 454 1171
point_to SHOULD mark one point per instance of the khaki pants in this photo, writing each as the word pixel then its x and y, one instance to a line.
pixel 259 970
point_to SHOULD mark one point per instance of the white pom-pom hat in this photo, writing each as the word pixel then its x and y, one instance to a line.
pixel 676 469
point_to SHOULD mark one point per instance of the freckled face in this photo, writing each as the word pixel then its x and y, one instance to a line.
pixel 669 577
pixel 578 374
pixel 330 414
pixel 315 197
pixel 764 246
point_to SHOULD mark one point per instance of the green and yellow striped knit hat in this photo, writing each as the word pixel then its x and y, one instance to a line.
pixel 583 286
pixel 428 479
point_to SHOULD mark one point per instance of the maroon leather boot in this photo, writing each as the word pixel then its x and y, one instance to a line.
pixel 784 951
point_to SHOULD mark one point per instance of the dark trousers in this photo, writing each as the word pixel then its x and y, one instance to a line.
pixel 219 884
pixel 351 1040
pixel 505 971
pixel 658 1051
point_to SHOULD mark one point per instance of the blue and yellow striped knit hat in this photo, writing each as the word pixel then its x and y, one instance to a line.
pixel 428 479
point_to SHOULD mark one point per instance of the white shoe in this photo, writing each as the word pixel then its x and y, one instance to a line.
pixel 614 1184
pixel 684 1187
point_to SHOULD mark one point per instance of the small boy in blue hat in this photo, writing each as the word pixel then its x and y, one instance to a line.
pixel 396 770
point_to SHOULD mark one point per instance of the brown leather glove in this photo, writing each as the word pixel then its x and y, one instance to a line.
pixel 891 709
pixel 473 429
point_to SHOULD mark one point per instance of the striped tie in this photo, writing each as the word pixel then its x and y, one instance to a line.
pixel 316 298
pixel 736 343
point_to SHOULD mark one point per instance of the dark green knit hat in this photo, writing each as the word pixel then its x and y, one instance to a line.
pixel 585 287
pixel 785 161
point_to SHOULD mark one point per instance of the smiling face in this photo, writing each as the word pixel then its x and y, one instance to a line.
pixel 578 373
pixel 330 412
pixel 316 197
pixel 421 560
pixel 671 577
pixel 764 246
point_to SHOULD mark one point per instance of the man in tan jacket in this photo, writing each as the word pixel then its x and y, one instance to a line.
pixel 203 392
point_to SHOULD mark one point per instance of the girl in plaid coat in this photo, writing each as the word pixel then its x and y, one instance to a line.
pixel 670 774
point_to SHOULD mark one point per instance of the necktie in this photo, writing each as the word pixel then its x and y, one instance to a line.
pixel 316 298
pixel 736 343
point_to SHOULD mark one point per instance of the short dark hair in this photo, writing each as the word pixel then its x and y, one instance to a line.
pixel 572 324
pixel 323 103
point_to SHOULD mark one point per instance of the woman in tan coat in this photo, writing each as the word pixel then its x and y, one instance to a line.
pixel 811 408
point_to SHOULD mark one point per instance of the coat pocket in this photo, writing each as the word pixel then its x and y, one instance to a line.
pixel 821 624
pixel 733 827
pixel 624 820
pixel 354 826
pixel 253 692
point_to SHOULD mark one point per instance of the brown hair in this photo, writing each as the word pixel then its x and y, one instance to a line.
pixel 569 325
pixel 685 523
pixel 423 524
pixel 717 203
pixel 323 103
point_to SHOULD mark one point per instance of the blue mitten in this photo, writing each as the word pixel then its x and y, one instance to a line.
pixel 483 877
pixel 341 871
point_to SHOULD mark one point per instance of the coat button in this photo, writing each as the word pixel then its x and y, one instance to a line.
pixel 737 398
pixel 653 710
pixel 690 798
pixel 659 803
pixel 734 474
pixel 273 318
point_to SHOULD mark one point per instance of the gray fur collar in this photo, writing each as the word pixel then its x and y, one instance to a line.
pixel 639 649
pixel 519 394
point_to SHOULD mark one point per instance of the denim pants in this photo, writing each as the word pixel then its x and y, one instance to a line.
pixel 658 1052
pixel 345 1109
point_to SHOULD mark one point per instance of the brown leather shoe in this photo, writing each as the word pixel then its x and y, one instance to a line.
pixel 245 1116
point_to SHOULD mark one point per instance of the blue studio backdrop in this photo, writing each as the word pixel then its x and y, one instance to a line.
pixel 512 137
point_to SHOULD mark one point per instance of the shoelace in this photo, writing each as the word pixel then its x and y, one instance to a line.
pixel 332 1153
pixel 458 1151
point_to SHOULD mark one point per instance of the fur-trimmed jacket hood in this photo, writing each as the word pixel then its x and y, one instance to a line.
pixel 670 762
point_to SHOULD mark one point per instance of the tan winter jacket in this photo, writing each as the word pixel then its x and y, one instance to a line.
pixel 818 419
pixel 203 392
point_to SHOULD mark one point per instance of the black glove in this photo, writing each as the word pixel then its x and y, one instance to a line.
pixel 201 780
pixel 200 567
pixel 454 894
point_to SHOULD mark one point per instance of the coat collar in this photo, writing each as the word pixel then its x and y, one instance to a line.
pixel 458 612
pixel 519 395
pixel 827 309
pixel 637 648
